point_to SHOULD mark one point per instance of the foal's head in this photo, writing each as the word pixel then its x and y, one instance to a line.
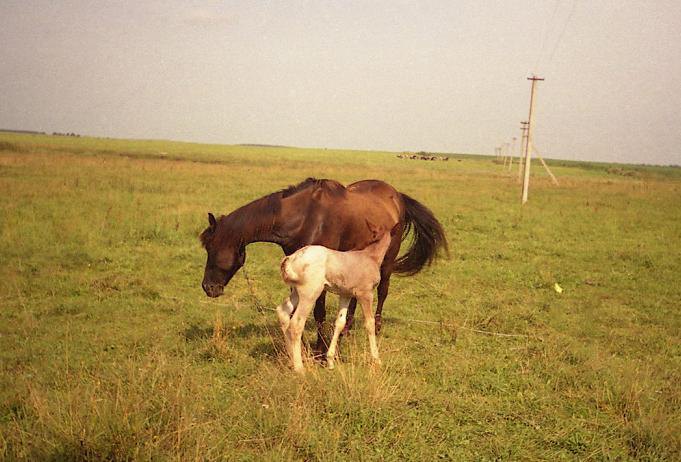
pixel 380 240
pixel 225 257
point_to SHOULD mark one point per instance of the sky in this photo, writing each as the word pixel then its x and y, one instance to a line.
pixel 440 76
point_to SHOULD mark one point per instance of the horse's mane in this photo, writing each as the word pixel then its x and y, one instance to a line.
pixel 205 237
pixel 332 187
pixel 240 222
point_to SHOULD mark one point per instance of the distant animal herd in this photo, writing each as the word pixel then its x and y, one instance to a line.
pixel 421 156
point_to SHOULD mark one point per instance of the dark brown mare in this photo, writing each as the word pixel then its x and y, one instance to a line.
pixel 324 212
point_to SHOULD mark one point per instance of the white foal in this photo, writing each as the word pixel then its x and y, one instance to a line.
pixel 313 269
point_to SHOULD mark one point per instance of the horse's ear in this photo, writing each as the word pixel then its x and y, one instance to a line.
pixel 212 221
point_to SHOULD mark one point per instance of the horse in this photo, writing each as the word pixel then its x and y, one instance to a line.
pixel 324 212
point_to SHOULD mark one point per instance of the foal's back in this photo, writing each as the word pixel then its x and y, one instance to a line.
pixel 351 273
pixel 343 273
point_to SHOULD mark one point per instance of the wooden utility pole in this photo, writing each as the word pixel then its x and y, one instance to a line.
pixel 510 154
pixel 521 153
pixel 528 139
pixel 548 170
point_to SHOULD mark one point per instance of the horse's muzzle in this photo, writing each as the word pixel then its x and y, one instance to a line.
pixel 213 290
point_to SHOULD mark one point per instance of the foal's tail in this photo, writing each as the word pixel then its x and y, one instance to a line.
pixel 287 273
pixel 428 237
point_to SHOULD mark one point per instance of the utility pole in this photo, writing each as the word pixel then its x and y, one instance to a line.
pixel 510 154
pixel 528 139
pixel 521 153
pixel 548 170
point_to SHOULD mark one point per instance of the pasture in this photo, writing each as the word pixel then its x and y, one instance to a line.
pixel 110 350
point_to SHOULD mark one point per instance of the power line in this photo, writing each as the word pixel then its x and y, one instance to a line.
pixel 544 39
pixel 562 33
pixel 545 32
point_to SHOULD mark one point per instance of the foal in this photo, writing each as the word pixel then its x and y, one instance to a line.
pixel 313 269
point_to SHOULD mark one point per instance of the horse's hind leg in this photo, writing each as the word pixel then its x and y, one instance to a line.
pixel 320 316
pixel 382 290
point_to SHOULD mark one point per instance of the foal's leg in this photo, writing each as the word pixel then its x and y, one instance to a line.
pixel 340 323
pixel 297 326
pixel 284 313
pixel 370 324
pixel 351 316
pixel 382 289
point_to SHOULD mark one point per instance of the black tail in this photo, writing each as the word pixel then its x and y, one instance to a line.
pixel 428 237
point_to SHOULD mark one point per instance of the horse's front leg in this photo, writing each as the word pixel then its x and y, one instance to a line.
pixel 320 316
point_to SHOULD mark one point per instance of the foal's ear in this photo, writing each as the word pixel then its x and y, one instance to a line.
pixel 212 221
pixel 373 229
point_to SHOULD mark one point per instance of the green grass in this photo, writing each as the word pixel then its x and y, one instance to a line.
pixel 110 350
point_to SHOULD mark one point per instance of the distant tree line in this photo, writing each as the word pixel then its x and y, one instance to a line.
pixel 32 132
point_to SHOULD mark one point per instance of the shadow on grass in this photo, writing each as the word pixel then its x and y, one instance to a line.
pixel 269 349
pixel 197 332
pixel 269 340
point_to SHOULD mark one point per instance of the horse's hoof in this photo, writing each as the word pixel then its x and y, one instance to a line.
pixel 319 357
pixel 330 365
pixel 319 351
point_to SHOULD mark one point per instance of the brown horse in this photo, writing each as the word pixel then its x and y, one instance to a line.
pixel 324 212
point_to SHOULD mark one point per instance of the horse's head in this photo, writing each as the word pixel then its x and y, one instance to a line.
pixel 225 257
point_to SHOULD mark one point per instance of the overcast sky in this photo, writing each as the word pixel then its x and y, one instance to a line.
pixel 440 76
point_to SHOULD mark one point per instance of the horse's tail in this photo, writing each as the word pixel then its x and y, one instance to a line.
pixel 428 237
pixel 287 274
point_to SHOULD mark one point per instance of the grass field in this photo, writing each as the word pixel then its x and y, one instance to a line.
pixel 109 349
